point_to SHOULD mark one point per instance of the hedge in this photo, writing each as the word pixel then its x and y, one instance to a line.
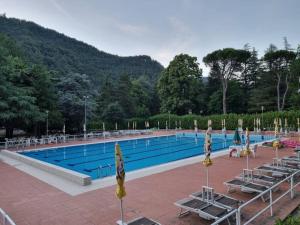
pixel 187 121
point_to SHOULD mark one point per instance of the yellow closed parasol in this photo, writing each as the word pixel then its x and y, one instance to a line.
pixel 120 176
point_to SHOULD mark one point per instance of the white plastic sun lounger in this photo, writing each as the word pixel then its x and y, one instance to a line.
pixel 142 221
pixel 204 209
pixel 251 176
pixel 246 186
pixel 274 171
pixel 208 195
pixel 287 163
pixel 282 167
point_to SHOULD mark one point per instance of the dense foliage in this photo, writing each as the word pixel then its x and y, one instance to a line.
pixel 67 55
pixel 63 76
pixel 187 121
pixel 291 220
pixel 180 86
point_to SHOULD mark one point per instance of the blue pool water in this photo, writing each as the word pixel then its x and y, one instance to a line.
pixel 97 160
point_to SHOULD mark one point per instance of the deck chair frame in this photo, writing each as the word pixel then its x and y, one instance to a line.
pixel 184 210
pixel 134 221
pixel 243 186
pixel 212 197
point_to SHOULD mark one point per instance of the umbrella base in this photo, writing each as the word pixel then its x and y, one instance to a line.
pixel 119 222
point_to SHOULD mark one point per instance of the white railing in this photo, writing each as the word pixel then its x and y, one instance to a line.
pixel 22 143
pixel 5 219
pixel 272 201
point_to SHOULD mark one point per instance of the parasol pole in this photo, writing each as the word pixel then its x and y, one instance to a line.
pixel 207 176
pixel 121 208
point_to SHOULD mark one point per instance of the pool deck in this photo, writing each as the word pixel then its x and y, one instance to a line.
pixel 30 201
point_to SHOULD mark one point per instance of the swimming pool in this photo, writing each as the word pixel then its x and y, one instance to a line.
pixel 97 160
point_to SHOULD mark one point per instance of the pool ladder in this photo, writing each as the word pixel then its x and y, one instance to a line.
pixel 104 171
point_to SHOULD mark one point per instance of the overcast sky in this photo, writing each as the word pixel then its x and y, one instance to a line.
pixel 164 28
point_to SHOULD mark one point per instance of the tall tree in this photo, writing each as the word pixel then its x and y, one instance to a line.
pixel 278 62
pixel 72 90
pixel 46 98
pixel 107 95
pixel 17 104
pixel 226 63
pixel 180 86
pixel 123 90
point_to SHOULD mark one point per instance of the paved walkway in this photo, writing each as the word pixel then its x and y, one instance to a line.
pixel 30 201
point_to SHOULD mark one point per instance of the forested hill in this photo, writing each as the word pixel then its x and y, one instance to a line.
pixel 64 54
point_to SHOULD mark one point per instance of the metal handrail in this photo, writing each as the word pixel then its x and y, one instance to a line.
pixel 269 206
pixel 27 142
pixel 225 217
pixel 6 220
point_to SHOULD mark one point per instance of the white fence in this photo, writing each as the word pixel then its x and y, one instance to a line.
pixel 5 219
pixel 238 212
pixel 21 143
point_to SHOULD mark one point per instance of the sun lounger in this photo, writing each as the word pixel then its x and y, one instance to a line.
pixel 204 209
pixel 247 186
pixel 251 176
pixel 292 158
pixel 142 221
pixel 283 167
pixel 287 163
pixel 207 194
pixel 274 171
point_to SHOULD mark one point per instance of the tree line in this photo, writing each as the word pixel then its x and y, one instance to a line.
pixel 238 82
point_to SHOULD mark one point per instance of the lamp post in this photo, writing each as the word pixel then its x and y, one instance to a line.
pixel 84 126
pixel 47 112
pixel 262 117
pixel 169 121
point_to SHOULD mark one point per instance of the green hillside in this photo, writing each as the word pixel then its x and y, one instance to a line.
pixel 64 54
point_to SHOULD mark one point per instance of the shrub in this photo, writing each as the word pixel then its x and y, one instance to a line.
pixel 187 121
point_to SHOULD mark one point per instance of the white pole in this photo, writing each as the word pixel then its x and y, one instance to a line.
pixel 47 123
pixel 207 176
pixel 247 162
pixel 121 207
pixel 277 156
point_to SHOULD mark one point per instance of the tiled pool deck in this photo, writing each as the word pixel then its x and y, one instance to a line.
pixel 30 201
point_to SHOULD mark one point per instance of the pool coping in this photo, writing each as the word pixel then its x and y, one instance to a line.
pixel 74 185
pixel 71 175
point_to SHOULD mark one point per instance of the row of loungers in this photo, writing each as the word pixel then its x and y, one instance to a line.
pixel 208 205
pixel 142 221
pixel 214 206
pixel 261 178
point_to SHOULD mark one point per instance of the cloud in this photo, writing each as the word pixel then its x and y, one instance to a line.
pixel 132 29
pixel 181 40
pixel 178 25
pixel 60 8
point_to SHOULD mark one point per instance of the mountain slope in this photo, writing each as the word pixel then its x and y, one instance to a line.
pixel 64 54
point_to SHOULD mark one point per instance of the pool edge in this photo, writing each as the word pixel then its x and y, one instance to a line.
pixel 70 175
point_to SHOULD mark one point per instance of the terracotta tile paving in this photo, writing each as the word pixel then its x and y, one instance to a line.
pixel 30 201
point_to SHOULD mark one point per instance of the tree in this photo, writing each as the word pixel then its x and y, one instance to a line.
pixel 71 91
pixel 123 90
pixel 107 95
pixel 226 63
pixel 46 98
pixel 278 62
pixel 141 98
pixel 113 113
pixel 17 104
pixel 180 86
pixel 294 100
